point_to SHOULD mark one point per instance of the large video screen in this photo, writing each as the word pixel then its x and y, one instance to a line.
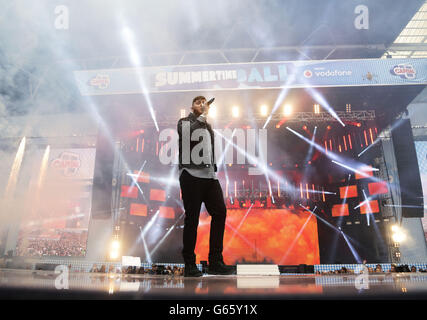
pixel 56 216
pixel 280 236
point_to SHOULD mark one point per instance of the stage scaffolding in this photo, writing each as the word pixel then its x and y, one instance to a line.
pixel 364 115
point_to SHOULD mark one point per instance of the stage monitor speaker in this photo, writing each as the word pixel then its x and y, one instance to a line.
pixel 409 174
pixel 258 270
pixel 289 269
pixel 103 176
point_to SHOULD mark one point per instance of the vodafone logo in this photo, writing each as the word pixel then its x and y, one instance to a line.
pixel 327 73
pixel 308 73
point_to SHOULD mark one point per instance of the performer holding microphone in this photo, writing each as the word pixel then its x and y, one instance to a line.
pixel 199 184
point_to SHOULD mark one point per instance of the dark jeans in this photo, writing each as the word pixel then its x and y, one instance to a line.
pixel 194 192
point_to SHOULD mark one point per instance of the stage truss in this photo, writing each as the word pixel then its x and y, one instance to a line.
pixel 312 117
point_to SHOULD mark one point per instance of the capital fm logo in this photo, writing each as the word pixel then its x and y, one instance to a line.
pixel 101 81
pixel 405 71
pixel 68 163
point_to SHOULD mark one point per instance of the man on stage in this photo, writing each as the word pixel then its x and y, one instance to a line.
pixel 199 183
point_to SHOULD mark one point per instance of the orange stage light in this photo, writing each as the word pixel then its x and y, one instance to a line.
pixel 129 192
pixel 378 188
pixel 339 210
pixel 166 212
pixel 371 208
pixel 142 176
pixel 368 173
pixel 138 209
pixel 348 192
pixel 157 195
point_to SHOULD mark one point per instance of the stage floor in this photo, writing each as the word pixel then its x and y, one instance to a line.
pixel 30 284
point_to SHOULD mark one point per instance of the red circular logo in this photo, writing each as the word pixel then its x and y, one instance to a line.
pixel 308 73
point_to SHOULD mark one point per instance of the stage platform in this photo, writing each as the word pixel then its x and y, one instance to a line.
pixel 32 284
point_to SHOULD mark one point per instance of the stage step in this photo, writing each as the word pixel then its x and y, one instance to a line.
pixel 258 270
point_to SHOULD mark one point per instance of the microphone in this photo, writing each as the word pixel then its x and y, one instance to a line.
pixel 210 101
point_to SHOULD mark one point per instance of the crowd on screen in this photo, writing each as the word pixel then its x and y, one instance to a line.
pixel 68 245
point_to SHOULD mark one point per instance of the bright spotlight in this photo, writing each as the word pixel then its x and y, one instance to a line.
pixel 287 110
pixel 114 254
pixel 394 228
pixel 264 110
pixel 398 236
pixel 115 245
pixel 235 111
pixel 114 249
